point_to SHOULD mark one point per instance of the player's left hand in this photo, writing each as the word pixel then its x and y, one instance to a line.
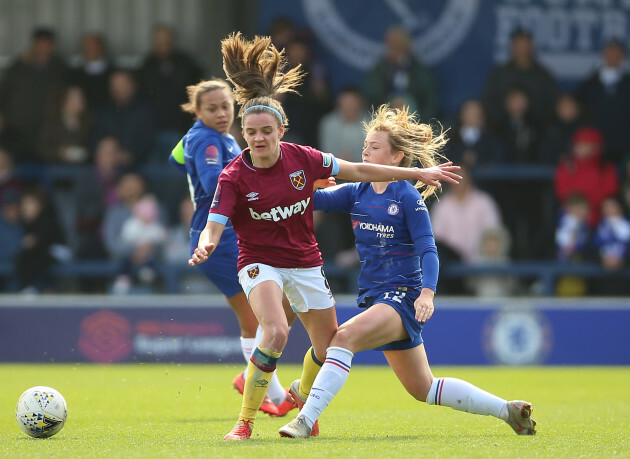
pixel 324 183
pixel 433 175
pixel 424 305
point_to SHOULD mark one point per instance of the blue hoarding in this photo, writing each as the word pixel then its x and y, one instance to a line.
pixel 204 329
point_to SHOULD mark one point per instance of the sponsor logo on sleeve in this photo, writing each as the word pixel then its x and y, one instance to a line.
pixel 327 159
pixel 212 155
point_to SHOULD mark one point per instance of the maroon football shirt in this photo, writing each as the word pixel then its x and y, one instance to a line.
pixel 272 208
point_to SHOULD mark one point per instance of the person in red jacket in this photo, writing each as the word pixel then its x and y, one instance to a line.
pixel 585 172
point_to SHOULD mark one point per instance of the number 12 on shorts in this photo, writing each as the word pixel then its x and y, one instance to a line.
pixel 396 296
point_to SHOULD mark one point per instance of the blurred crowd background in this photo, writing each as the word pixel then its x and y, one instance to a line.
pixel 87 196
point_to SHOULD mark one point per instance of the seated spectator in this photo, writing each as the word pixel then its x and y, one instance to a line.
pixel 130 188
pixel 518 131
pixel 9 183
pixel 25 87
pixel 471 142
pixel 93 70
pixel 341 131
pixel 586 172
pixel 143 237
pixel 126 117
pixel 42 243
pixel 605 94
pixel 572 232
pixel 399 71
pixel 462 215
pixel 493 250
pixel 95 193
pixel 568 118
pixel 525 71
pixel 573 237
pixel 66 129
pixel 163 77
pixel 10 225
pixel 305 110
pixel 612 235
pixel 177 251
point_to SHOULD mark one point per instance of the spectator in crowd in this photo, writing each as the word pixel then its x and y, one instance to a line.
pixel 93 71
pixel 305 110
pixel 471 142
pixel 612 235
pixel 142 237
pixel 9 183
pixel 131 187
pixel 163 78
pixel 573 230
pixel 518 131
pixel 494 249
pixel 95 193
pixel 42 243
pixel 568 118
pixel 126 117
pixel 10 225
pixel 177 248
pixel 66 131
pixel 282 32
pixel 612 241
pixel 524 71
pixel 605 95
pixel 586 172
pixel 573 237
pixel 399 71
pixel 24 90
pixel 341 131
pixel 462 215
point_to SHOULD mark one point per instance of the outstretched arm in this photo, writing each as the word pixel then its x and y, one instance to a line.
pixel 366 172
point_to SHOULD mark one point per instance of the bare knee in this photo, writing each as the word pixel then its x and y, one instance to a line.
pixel 344 338
pixel 274 336
pixel 420 389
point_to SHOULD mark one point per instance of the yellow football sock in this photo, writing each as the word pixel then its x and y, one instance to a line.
pixel 259 372
pixel 310 369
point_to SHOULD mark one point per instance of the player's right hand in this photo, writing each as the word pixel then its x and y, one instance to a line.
pixel 201 254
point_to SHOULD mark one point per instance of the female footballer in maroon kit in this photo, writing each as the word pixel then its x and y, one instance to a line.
pixel 266 192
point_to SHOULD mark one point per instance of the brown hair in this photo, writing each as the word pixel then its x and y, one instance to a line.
pixel 255 68
pixel 195 92
pixel 416 140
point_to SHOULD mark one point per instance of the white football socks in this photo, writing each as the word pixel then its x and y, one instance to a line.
pixel 276 392
pixel 328 383
pixel 463 396
pixel 247 347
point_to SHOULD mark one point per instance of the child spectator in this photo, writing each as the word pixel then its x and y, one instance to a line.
pixel 572 241
pixel 42 243
pixel 612 235
pixel 572 232
pixel 585 172
pixel 143 236
pixel 494 250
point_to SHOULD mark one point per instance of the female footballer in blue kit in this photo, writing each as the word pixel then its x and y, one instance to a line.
pixel 397 283
pixel 202 154
pixel 267 194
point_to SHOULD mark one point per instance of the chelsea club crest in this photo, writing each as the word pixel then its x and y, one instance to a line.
pixel 437 28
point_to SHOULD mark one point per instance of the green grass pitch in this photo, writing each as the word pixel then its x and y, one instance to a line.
pixel 183 410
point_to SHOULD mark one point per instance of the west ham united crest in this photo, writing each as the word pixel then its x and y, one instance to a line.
pixel 253 272
pixel 298 179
